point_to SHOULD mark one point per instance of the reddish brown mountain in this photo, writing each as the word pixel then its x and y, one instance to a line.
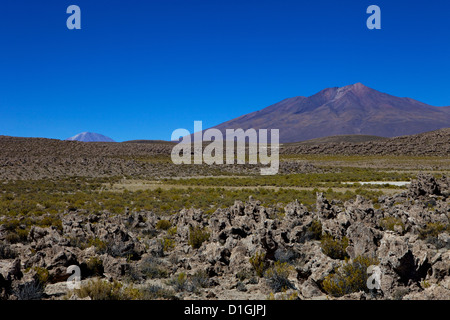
pixel 353 109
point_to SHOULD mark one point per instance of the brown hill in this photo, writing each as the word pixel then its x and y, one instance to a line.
pixel 36 158
pixel 434 143
pixel 150 141
pixel 353 109
pixel 350 138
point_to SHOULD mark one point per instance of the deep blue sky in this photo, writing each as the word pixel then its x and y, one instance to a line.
pixel 141 69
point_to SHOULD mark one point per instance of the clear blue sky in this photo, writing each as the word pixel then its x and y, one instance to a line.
pixel 141 69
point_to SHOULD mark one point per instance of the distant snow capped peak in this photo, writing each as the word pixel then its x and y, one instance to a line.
pixel 90 137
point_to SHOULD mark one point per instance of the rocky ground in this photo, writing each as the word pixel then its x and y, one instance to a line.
pixel 435 143
pixel 38 158
pixel 247 251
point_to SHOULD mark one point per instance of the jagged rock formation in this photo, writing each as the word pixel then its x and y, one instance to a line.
pixel 397 232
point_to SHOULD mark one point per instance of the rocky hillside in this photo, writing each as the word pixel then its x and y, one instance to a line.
pixel 346 138
pixel 36 158
pixel 245 251
pixel 434 143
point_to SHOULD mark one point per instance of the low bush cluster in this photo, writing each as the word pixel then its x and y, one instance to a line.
pixel 98 289
pixel 6 252
pixel 389 223
pixel 259 263
pixel 197 235
pixel 277 276
pixel 334 248
pixel 192 283
pixel 350 277
pixel 151 268
pixel 163 225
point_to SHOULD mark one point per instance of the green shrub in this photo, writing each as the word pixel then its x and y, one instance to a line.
pixel 430 233
pixel 259 264
pixel 172 231
pixel 99 245
pixel 95 266
pixel 389 223
pixel 314 231
pixel 153 292
pixel 50 221
pixel 13 238
pixel 242 275
pixel 425 284
pixel 17 230
pixel 163 225
pixel 334 248
pixel 277 276
pixel 103 290
pixel 6 252
pixel 197 236
pixel 180 282
pixel 167 244
pixel 200 279
pixel 432 230
pixel 42 275
pixel 151 268
pixel 284 296
pixel 349 278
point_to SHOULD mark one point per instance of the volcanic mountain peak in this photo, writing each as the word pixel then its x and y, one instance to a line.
pixel 352 109
pixel 90 137
pixel 357 89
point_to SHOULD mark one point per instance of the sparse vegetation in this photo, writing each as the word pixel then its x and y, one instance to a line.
pixel 99 245
pixel 314 231
pixel 389 223
pixel 334 248
pixel 98 289
pixel 197 235
pixel 430 233
pixel 95 266
pixel 277 276
pixel 179 282
pixel 324 180
pixel 30 291
pixel 163 225
pixel 153 292
pixel 432 230
pixel 43 203
pixel 259 263
pixel 284 296
pixel 137 237
pixel 200 279
pixel 350 277
pixel 42 275
pixel 6 252
pixel 151 268
pixel 167 243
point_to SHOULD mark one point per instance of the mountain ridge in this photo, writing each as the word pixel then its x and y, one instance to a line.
pixel 352 109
